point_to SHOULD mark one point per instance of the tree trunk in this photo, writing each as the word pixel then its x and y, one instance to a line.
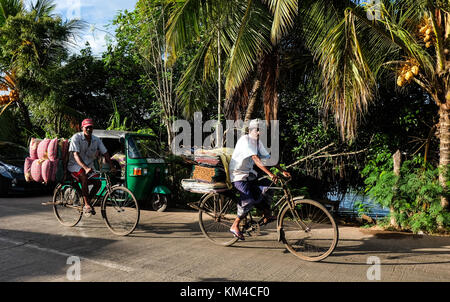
pixel 444 149
pixel 252 100
pixel 25 114
pixel 397 165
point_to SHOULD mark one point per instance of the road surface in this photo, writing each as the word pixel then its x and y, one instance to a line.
pixel 169 247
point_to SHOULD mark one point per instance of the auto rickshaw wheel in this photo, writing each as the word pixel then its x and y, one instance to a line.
pixel 159 202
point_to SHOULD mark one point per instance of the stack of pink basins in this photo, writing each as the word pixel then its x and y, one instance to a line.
pixel 47 160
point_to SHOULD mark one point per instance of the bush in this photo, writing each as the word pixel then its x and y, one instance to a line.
pixel 414 196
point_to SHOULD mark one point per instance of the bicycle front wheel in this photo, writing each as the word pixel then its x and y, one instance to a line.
pixel 67 205
pixel 216 216
pixel 315 236
pixel 120 211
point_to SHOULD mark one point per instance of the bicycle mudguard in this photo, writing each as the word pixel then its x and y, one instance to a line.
pixel 280 234
pixel 280 231
pixel 161 190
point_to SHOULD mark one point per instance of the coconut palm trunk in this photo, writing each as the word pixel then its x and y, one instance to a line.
pixel 252 100
pixel 444 149
pixel 25 114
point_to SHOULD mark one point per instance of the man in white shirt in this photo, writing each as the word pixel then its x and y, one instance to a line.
pixel 248 151
pixel 83 150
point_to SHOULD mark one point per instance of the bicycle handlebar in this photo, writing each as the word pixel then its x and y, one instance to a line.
pixel 281 178
pixel 95 172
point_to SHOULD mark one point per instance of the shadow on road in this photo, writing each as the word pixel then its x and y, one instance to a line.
pixel 393 248
pixel 25 255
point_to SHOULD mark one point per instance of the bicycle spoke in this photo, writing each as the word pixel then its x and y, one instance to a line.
pixel 67 205
pixel 121 211
pixel 318 239
pixel 216 217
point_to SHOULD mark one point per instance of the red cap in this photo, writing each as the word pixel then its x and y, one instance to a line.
pixel 87 122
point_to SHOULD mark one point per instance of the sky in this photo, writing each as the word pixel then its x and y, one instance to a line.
pixel 97 14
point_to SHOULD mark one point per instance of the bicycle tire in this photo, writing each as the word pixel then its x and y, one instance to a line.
pixel 120 210
pixel 67 204
pixel 159 202
pixel 216 216
pixel 319 240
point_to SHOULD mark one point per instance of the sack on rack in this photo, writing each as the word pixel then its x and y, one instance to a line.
pixel 208 174
pixel 195 186
pixel 43 148
pixel 34 143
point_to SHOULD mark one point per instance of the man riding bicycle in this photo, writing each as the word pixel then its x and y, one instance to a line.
pixel 248 151
pixel 83 150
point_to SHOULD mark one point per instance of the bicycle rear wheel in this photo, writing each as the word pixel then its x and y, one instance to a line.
pixel 120 211
pixel 67 204
pixel 315 242
pixel 216 216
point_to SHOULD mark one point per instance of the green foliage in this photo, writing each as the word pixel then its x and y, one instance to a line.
pixel 414 196
pixel 362 207
pixel 115 121
pixel 8 128
pixel 147 131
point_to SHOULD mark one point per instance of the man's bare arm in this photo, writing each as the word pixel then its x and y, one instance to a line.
pixel 108 160
pixel 260 165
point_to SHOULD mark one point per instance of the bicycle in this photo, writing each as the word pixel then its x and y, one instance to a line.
pixel 305 226
pixel 119 207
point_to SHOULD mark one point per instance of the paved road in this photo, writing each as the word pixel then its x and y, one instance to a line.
pixel 169 247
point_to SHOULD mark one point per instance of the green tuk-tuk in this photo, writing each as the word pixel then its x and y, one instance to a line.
pixel 142 170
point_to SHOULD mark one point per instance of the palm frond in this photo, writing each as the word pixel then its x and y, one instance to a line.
pixel 250 34
pixel 284 12
pixel 189 91
pixel 9 8
pixel 43 8
pixel 347 80
pixel 183 25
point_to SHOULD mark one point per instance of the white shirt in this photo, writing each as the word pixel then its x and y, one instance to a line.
pixel 241 164
pixel 88 153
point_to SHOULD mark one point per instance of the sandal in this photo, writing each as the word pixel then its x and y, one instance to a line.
pixel 88 211
pixel 237 234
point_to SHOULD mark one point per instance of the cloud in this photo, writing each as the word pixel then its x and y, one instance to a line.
pixel 98 14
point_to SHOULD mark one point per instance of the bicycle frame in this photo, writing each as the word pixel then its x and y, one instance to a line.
pixel 107 188
pixel 101 193
pixel 284 201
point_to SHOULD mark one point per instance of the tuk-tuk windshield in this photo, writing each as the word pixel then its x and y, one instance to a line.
pixel 142 147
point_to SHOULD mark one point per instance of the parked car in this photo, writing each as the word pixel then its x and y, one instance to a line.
pixel 143 170
pixel 12 178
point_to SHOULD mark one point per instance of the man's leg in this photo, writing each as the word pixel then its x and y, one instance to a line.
pixel 84 189
pixel 246 203
pixel 96 186
pixel 265 197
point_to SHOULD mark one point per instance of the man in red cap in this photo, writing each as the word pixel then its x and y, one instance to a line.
pixel 83 150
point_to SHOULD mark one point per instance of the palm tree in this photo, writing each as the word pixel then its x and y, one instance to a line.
pixel 245 32
pixel 408 42
pixel 7 77
pixel 28 51
pixel 9 8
